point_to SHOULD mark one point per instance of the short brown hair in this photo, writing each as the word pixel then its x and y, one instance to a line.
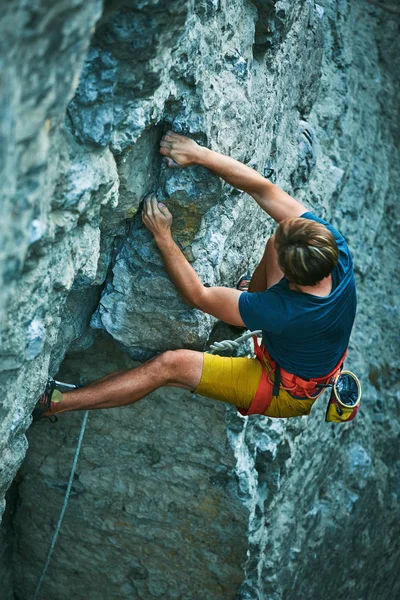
pixel 307 250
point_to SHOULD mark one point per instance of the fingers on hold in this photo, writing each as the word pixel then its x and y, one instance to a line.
pixel 147 204
pixel 171 163
pixel 167 146
pixel 164 209
pixel 154 203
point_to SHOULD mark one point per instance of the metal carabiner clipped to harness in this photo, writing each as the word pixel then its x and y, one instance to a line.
pixel 345 398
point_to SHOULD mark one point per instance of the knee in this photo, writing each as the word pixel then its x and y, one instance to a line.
pixel 169 363
pixel 270 248
pixel 271 240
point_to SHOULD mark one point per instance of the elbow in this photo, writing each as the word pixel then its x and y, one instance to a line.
pixel 262 192
pixel 194 303
pixel 197 300
pixel 191 302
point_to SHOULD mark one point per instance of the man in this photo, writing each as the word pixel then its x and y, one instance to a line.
pixel 302 295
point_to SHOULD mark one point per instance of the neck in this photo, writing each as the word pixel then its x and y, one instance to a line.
pixel 322 288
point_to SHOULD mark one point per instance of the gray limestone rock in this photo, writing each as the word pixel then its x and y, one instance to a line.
pixel 178 496
pixel 140 491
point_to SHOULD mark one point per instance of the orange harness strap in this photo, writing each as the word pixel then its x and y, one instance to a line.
pixel 295 385
pixel 263 397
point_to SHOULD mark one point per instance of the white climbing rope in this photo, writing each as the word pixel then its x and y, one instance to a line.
pixel 64 507
pixel 232 344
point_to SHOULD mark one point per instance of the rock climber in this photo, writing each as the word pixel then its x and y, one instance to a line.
pixel 302 296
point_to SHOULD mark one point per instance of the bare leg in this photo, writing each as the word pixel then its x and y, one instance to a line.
pixel 268 271
pixel 180 368
pixel 105 377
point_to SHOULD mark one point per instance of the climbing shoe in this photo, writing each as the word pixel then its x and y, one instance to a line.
pixel 43 405
pixel 345 398
pixel 243 283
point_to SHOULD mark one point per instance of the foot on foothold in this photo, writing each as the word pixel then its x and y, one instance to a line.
pixel 44 404
pixel 243 283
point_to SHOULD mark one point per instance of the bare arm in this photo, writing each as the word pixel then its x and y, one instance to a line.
pixel 182 151
pixel 220 302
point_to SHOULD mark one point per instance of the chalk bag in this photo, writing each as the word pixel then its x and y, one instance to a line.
pixel 345 398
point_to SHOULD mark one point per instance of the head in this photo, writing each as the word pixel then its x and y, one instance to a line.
pixel 307 251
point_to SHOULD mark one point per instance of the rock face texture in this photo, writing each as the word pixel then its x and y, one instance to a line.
pixel 178 497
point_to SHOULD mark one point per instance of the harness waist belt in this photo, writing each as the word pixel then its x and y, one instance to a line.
pixel 282 379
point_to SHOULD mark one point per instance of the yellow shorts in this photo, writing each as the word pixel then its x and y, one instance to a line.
pixel 235 380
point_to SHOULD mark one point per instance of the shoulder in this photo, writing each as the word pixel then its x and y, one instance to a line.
pixel 271 298
pixel 263 310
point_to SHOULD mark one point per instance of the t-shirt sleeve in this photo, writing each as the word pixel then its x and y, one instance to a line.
pixel 264 310
pixel 345 258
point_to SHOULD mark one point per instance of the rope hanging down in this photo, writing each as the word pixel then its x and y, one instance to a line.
pixel 66 498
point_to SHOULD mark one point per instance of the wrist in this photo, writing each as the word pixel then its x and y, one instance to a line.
pixel 200 156
pixel 163 238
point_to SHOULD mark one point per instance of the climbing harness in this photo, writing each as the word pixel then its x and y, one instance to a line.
pixel 346 388
pixel 274 378
pixel 67 494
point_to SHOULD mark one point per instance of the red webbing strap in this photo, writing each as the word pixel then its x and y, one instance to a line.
pixel 263 397
pixel 297 385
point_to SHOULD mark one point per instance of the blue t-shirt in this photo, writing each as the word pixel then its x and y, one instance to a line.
pixel 307 335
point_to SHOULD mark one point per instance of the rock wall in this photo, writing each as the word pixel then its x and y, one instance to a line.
pixel 178 496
